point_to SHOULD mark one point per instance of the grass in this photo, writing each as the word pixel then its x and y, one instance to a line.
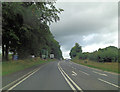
pixel 111 67
pixel 14 66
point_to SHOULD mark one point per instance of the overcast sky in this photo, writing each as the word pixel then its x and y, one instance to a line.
pixel 93 25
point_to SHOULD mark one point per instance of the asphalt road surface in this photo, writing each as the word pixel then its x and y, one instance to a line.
pixel 66 75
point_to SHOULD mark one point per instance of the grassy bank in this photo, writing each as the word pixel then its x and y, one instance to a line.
pixel 111 67
pixel 14 66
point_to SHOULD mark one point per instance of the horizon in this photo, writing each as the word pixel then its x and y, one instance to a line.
pixel 91 24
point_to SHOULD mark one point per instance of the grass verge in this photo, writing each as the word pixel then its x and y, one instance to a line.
pixel 14 66
pixel 111 67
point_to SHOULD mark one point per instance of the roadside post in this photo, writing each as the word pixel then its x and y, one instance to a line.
pixel 15 57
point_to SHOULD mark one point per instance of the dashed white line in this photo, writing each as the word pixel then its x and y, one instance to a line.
pixel 108 83
pixel 74 73
pixel 100 73
pixel 84 72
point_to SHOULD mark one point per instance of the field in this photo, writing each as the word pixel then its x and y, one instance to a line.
pixel 14 66
pixel 111 67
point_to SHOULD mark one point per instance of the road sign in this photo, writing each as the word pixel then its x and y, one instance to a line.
pixel 51 56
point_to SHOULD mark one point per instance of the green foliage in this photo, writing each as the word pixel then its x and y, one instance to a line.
pixel 108 54
pixel 119 55
pixel 75 50
pixel 25 28
pixel 15 66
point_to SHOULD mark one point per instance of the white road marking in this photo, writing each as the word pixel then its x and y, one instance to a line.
pixel 95 69
pixel 66 80
pixel 100 73
pixel 23 80
pixel 22 77
pixel 71 80
pixel 17 80
pixel 74 73
pixel 108 83
pixel 84 72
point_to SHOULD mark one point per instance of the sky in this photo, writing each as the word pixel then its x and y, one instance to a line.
pixel 93 25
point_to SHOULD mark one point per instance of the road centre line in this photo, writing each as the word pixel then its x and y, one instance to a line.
pixel 84 72
pixel 109 83
pixel 66 80
pixel 71 80
pixel 100 73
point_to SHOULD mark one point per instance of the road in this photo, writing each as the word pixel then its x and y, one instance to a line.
pixel 67 75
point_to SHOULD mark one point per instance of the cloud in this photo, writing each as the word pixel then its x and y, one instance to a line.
pixel 88 23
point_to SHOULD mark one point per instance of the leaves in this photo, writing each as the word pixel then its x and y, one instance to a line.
pixel 25 25
pixel 75 50
pixel 108 54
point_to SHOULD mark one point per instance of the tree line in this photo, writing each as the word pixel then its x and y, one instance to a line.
pixel 108 54
pixel 25 29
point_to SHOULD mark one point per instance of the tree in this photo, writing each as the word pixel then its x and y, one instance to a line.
pixel 75 50
pixel 25 27
pixel 11 22
pixel 108 54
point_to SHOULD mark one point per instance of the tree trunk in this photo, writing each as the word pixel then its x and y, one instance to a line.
pixel 3 52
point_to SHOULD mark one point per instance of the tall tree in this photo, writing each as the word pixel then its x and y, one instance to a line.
pixel 25 26
pixel 75 50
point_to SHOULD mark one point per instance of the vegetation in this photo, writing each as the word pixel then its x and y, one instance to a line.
pixel 105 59
pixel 75 50
pixel 14 66
pixel 106 66
pixel 25 29
pixel 108 54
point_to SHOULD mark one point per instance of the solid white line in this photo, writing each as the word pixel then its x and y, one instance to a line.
pixel 84 72
pixel 66 80
pixel 72 80
pixel 108 83
pixel 17 80
pixel 22 80
pixel 100 73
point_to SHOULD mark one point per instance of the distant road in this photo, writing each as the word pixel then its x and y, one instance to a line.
pixel 66 75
